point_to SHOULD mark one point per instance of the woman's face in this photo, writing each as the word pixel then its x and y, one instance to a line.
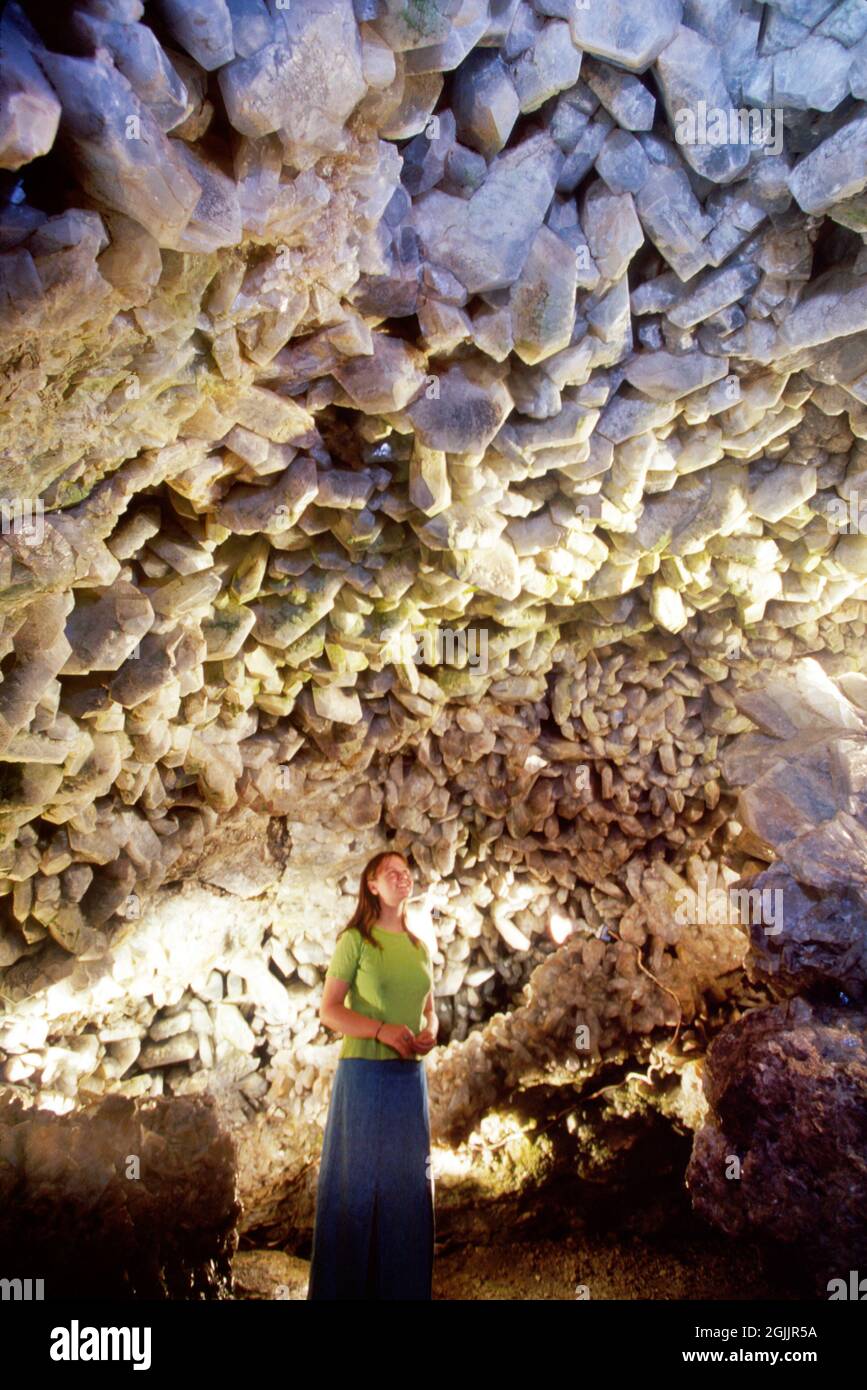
pixel 392 881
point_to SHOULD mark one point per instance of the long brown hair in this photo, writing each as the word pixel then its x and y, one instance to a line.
pixel 367 907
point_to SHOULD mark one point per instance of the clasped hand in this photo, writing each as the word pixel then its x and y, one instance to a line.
pixel 423 1042
pixel 406 1043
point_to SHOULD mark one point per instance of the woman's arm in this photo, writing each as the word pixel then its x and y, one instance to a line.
pixel 430 1014
pixel 340 1019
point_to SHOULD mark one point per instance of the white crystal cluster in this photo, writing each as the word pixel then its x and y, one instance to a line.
pixel 326 326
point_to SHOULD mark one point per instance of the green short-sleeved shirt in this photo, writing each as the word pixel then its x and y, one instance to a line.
pixel 390 985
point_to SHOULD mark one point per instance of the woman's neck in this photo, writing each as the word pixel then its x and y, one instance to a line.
pixel 390 920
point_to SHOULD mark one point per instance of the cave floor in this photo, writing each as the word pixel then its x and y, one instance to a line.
pixel 660 1267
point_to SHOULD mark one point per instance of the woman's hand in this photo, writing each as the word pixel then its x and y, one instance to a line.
pixel 398 1036
pixel 424 1041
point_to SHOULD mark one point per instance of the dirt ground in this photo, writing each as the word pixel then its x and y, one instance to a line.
pixel 635 1267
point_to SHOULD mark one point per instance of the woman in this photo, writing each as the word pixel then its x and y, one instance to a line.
pixel 374 1229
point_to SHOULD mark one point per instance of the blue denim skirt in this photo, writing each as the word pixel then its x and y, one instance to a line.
pixel 373 1233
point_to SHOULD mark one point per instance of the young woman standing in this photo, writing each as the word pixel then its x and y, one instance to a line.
pixel 374 1229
